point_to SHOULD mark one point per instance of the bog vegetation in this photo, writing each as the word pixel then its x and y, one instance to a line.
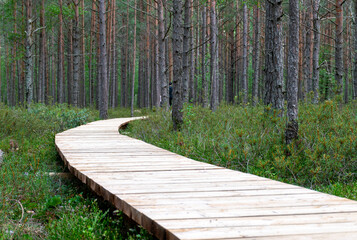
pixel 252 140
pixel 35 205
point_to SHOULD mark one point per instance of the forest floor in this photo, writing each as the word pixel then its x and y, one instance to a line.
pixel 35 205
pixel 252 139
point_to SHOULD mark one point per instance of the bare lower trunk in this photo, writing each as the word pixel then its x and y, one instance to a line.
pixel 162 57
pixel 60 81
pixel 76 56
pixel 203 56
pixel 256 56
pixel 177 33
pixel 103 86
pixel 134 59
pixel 338 46
pixel 186 51
pixel 355 53
pixel 274 56
pixel 214 58
pixel 307 48
pixel 245 54
pixel 316 51
pixel 293 72
pixel 29 56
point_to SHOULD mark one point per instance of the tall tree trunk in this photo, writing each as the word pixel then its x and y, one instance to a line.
pixel 293 72
pixel 338 46
pixel 42 62
pixel 124 61
pixel 316 51
pixel 76 55
pixel 82 91
pixel 156 100
pixel 60 68
pixel 29 56
pixel 274 56
pixel 214 58
pixel 307 48
pixel 203 56
pixel 114 58
pixel 355 53
pixel 256 55
pixel 245 54
pixel 53 67
pixel 103 101
pixel 134 60
pixel 192 60
pixel 162 57
pixel 186 51
pixel 231 67
pixel 70 63
pixel 177 48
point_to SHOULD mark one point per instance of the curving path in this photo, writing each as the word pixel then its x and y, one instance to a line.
pixel 174 197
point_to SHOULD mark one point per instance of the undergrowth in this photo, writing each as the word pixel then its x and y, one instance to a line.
pixel 251 139
pixel 34 205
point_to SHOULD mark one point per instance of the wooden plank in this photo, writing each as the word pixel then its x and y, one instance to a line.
pixel 175 197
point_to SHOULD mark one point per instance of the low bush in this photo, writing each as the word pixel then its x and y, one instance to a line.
pixel 252 139
pixel 34 205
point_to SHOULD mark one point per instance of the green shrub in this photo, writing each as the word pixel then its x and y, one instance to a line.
pixel 252 139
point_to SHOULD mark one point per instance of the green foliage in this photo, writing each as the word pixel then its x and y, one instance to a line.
pixel 252 140
pixel 34 205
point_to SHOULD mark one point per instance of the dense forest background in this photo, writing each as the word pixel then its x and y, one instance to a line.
pixel 121 53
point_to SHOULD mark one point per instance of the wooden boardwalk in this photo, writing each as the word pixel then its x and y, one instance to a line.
pixel 174 197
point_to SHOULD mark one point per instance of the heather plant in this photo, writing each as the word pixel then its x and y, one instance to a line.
pixel 251 139
pixel 35 205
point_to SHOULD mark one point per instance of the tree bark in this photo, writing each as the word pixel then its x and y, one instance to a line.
pixel 186 50
pixel 214 58
pixel 60 81
pixel 29 56
pixel 355 53
pixel 162 57
pixel 76 56
pixel 103 86
pixel 245 54
pixel 338 46
pixel 307 48
pixel 274 56
pixel 134 60
pixel 82 77
pixel 256 56
pixel 203 56
pixel 316 51
pixel 177 48
pixel 293 72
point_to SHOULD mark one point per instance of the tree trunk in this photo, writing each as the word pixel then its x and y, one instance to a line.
pixel 245 54
pixel 316 51
pixel 203 56
pixel 293 72
pixel 134 59
pixel 256 56
pixel 103 86
pixel 338 46
pixel 29 56
pixel 162 57
pixel 60 67
pixel 123 61
pixel 82 91
pixel 214 58
pixel 186 51
pixel 76 56
pixel 177 48
pixel 42 63
pixel 355 53
pixel 307 48
pixel 274 56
